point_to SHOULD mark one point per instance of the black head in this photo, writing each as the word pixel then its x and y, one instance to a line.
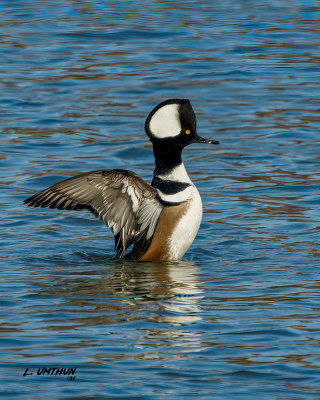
pixel 174 121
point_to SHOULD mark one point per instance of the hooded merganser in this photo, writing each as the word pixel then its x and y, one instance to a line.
pixel 161 220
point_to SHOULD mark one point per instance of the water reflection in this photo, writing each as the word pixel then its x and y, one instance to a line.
pixel 169 292
pixel 77 84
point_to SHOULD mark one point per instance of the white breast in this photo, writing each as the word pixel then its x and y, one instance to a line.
pixel 187 228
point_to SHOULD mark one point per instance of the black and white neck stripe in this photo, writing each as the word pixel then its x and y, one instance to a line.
pixel 174 186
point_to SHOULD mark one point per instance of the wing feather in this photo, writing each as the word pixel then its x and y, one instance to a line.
pixel 121 199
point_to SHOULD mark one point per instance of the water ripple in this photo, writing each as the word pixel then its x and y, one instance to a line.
pixel 238 317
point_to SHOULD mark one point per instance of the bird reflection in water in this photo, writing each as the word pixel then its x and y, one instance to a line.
pixel 166 292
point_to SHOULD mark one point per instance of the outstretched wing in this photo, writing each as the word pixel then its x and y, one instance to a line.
pixel 121 199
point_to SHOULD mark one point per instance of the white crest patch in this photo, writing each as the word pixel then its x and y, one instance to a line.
pixel 165 122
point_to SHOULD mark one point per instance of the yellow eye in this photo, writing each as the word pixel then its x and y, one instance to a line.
pixel 187 132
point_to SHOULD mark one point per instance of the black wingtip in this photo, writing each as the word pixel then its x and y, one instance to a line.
pixel 34 201
pixel 28 201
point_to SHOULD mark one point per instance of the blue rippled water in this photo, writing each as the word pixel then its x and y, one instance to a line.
pixel 238 318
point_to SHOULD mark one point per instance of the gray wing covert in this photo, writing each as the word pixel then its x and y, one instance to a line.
pixel 121 199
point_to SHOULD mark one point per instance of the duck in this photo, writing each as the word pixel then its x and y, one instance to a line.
pixel 156 222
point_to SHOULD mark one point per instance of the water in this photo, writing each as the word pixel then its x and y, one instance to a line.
pixel 238 318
